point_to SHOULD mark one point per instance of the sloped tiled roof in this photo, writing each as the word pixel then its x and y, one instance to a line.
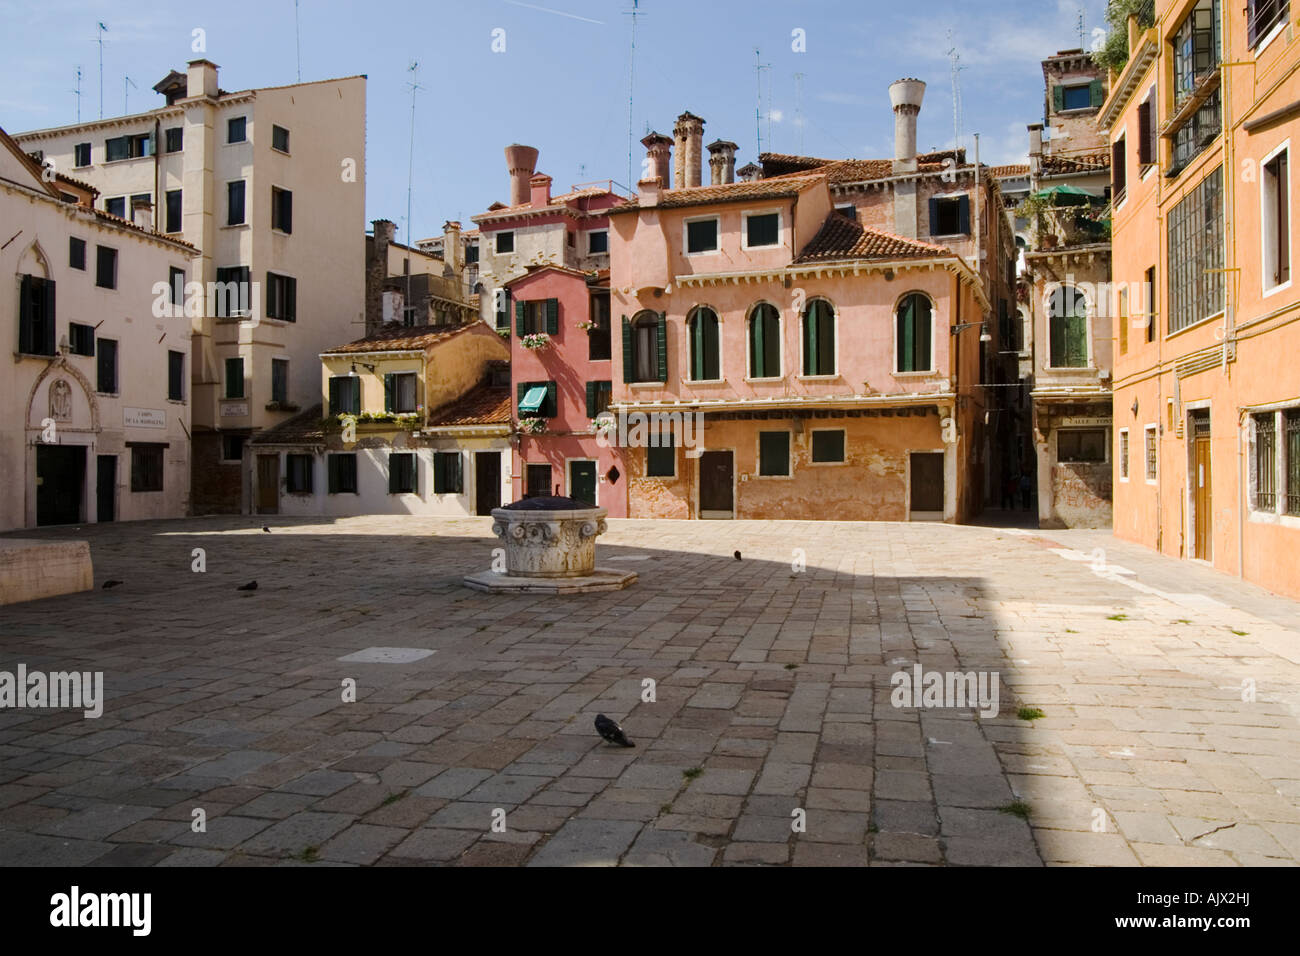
pixel 1063 165
pixel 784 187
pixel 304 427
pixel 481 405
pixel 395 337
pixel 1006 172
pixel 840 238
pixel 781 166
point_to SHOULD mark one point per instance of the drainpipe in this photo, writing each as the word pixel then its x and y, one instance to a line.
pixel 157 181
pixel 1242 420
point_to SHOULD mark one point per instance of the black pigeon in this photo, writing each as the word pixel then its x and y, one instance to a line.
pixel 266 529
pixel 736 555
pixel 611 731
pixel 250 586
pixel 111 584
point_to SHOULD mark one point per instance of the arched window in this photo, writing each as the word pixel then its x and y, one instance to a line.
pixel 1068 328
pixel 702 325
pixel 819 338
pixel 645 348
pixel 765 341
pixel 913 332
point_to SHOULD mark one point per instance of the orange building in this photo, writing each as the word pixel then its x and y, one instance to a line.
pixel 1201 120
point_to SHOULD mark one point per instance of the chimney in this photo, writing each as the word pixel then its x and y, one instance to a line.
pixel 750 172
pixel 201 79
pixel 540 191
pixel 688 136
pixel 1035 148
pixel 452 256
pixel 142 214
pixel 905 96
pixel 722 162
pixel 658 150
pixel 521 161
pixel 377 272
pixel 648 192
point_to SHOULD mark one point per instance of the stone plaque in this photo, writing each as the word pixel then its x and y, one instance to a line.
pixel 144 417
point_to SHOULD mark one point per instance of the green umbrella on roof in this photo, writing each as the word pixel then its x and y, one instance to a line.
pixel 1066 195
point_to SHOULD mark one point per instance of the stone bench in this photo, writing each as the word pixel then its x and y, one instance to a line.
pixel 32 569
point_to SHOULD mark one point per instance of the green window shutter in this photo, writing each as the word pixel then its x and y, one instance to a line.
pixel 1097 92
pixel 439 482
pixel 551 408
pixel 392 474
pixel 934 216
pixel 591 399
pixel 757 366
pixel 457 480
pixel 49 320
pixel 1057 333
pixel 1078 341
pixel 811 327
pixel 334 397
pixel 963 215
pixel 922 323
pixel 697 346
pixel 552 316
pixel 663 346
pixel 388 391
pixel 519 317
pixel 522 389
pixel 628 371
pixel 1058 99
pixel 333 473
pixel 356 395
pixel 906 332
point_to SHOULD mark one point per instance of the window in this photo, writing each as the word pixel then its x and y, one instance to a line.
pixel 81 339
pixel 598 347
pixel 280 381
pixel 280 138
pixel 345 395
pixel 139 199
pixel 645 348
pixel 232 447
pixel 231 295
pixel 1118 169
pixel 774 454
pixel 174 139
pixel 116 206
pixel 765 341
pixel 298 474
pixel 537 315
pixel 176 287
pixel 174 210
pixel 141 145
pixel 281 209
pixel 828 445
pixel 599 396
pixel 81 154
pixel 1147 148
pixel 105 267
pixel 127 147
pixel 106 366
pixel 448 475
pixel 1068 328
pixel 1197 51
pixel 1077 97
pixel 1081 445
pixel 819 338
pixel 399 392
pixel 1151 446
pixel 281 297
pixel 1196 286
pixel 1150 290
pixel 1277 221
pixel 1123 321
pixel 234 378
pixel 701 236
pixel 571 239
pixel 762 229
pixel 505 242
pixel 235 203
pixel 1262 16
pixel 1123 454
pixel 147 467
pixel 849 211
pixel 342 474
pixel 597 241
pixel 950 216
pixel 471 253
pixel 401 473
pixel 237 129
pixel 661 455
pixel 77 253
pixel 176 376
pixel 537 481
pixel 1265 462
pixel 537 399
pixel 915 326
pixel 702 326
pixel 1291 423
pixel 503 308
pixel 1197 133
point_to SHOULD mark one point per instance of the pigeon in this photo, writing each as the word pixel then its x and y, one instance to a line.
pixel 611 731
pixel 250 586
pixel 736 555
pixel 266 529
pixel 111 584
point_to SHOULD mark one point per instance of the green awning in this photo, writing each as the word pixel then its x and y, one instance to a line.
pixel 534 400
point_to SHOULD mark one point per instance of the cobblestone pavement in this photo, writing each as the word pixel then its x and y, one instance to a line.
pixel 772 695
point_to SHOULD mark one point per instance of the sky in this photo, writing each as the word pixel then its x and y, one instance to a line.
pixel 556 74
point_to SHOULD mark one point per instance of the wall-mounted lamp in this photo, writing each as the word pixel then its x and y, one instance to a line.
pixel 352 372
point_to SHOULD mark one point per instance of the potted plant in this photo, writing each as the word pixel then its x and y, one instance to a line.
pixel 586 325
pixel 533 426
pixel 535 341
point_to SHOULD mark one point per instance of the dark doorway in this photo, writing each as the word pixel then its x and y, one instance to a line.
pixel 582 481
pixel 537 481
pixel 106 487
pixel 268 484
pixel 927 482
pixel 717 485
pixel 60 478
pixel 487 481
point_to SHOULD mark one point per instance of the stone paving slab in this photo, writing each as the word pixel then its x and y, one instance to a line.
pixel 1169 734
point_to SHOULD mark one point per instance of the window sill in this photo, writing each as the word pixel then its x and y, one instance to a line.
pixel 647 384
pixel 827 464
pixel 108 394
pixel 277 231
pixel 766 380
pixel 235 225
pixel 705 381
pixel 773 477
pixel 1195 325
pixel 950 235
pixel 1274 518
pixel 176 401
pixel 36 355
pixel 818 378
pixel 928 373
pixel 702 252
pixel 282 152
pixel 1274 290
pixel 1264 42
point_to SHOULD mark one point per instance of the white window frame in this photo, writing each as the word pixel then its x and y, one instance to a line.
pixel 592 232
pixel 953 235
pixel 1122 142
pixel 232 461
pixel 748 214
pixel 1106 459
pixel 1266 289
pixel 893 337
pixel 1150 431
pixel 813 463
pixel 237 225
pixel 780 344
pixel 496 239
pixel 1124 454
pixel 799 356
pixel 415 375
pixel 1151 98
pixel 1073 110
pixel 1089 312
pixel 676 449
pixel 248 131
pixel 716 250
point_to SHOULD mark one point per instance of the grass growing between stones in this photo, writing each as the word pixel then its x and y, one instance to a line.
pixel 1029 713
pixel 1017 808
pixel 393 798
pixel 692 773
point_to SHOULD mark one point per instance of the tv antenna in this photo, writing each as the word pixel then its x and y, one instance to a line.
pixel 127 83
pixel 759 67
pixel 415 87
pixel 1081 28
pixel 77 91
pixel 798 107
pixel 954 58
pixel 297 39
pixel 99 38
pixel 631 79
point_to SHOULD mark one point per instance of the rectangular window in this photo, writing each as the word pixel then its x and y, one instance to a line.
pixel 1123 454
pixel 147 468
pixel 298 474
pixel 850 211
pixel 176 287
pixel 537 399
pixel 1077 97
pixel 702 236
pixel 235 203
pixel 105 267
pixel 174 139
pixel 774 454
pixel 116 206
pixel 345 395
pixel 763 229
pixel 119 147
pixel 1150 306
pixel 232 294
pixel 176 376
pixel 280 381
pixel 599 397
pixel 281 209
pixel 505 242
pixel 1151 447
pixel 232 447
pixel 1146 132
pixel 342 474
pixel 1265 462
pixel 828 445
pixel 106 366
pixel 237 129
pixel 1262 16
pixel 1123 321
pixel 1277 221
pixel 502 297
pixel 399 392
pixel 1291 424
pixel 141 144
pixel 174 210
pixel 534 316
pixel 81 154
pixel 281 297
pixel 537 481
pixel 1081 445
pixel 1196 286
pixel 234 378
pixel 447 473
pixel 81 339
pixel 77 253
pixel 597 241
pixel 598 339
pixel 950 216
pixel 401 473
pixel 280 138
pixel 1119 169
pixel 661 457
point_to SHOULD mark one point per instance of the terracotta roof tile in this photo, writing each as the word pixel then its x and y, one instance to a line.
pixel 1004 172
pixel 481 405
pixel 781 166
pixel 840 238
pixel 1063 165
pixel 785 186
pixel 303 428
pixel 395 337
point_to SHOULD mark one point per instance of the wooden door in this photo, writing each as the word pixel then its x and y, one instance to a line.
pixel 1202 499
pixel 717 484
pixel 927 482
pixel 487 481
pixel 268 484
pixel 60 477
pixel 582 481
